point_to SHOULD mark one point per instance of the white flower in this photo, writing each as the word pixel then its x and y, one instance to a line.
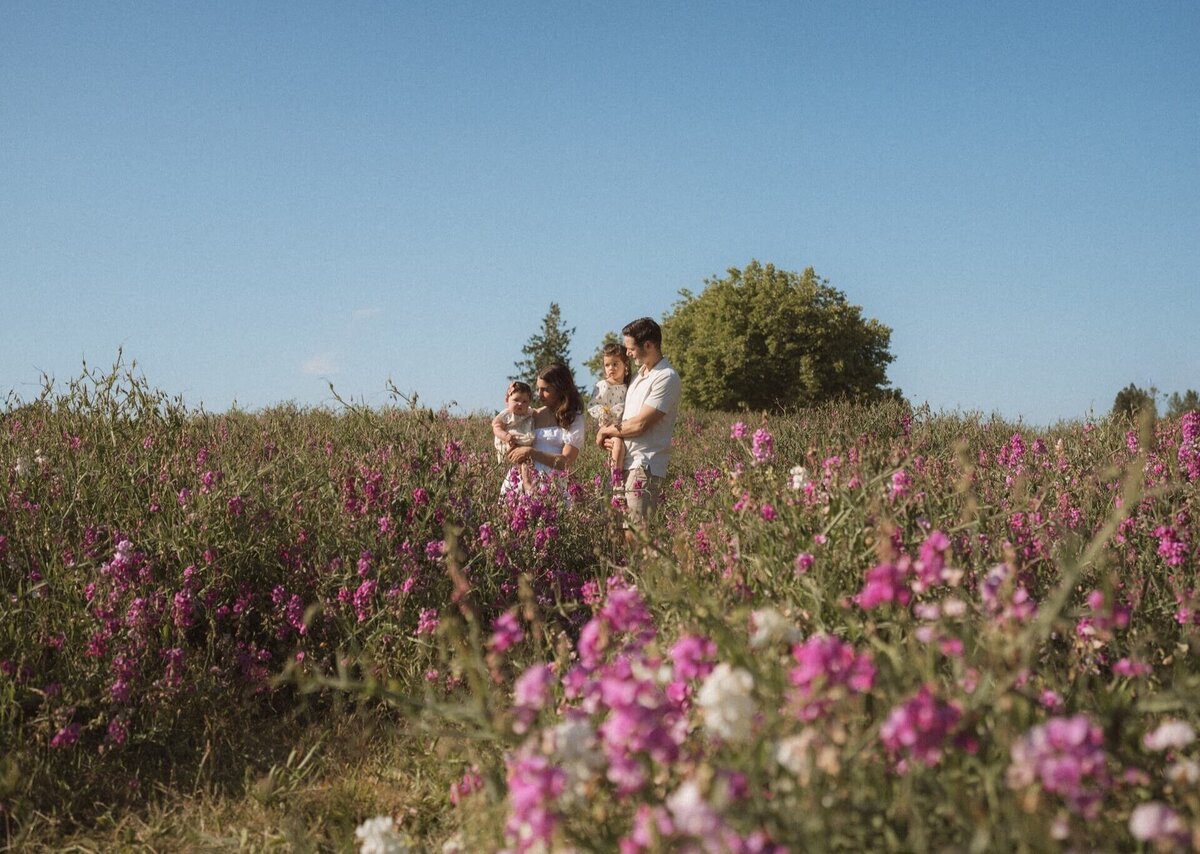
pixel 1170 734
pixel 691 813
pixel 454 845
pixel 1184 771
pixel 725 700
pixel 379 836
pixel 793 754
pixel 768 626
pixel 1153 821
pixel 798 477
pixel 21 466
pixel 575 750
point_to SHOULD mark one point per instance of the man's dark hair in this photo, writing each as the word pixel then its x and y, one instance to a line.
pixel 644 331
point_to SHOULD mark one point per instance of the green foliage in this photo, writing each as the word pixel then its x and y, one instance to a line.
pixel 1131 402
pixel 309 719
pixel 595 364
pixel 768 339
pixel 552 344
pixel 1179 404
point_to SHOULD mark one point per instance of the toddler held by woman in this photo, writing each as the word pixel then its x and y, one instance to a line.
pixel 513 426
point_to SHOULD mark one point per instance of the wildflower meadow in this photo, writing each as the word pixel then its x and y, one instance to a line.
pixel 859 628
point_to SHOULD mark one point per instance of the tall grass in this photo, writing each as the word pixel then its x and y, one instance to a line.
pixel 240 609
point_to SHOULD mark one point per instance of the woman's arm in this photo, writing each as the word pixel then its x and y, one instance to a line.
pixel 557 462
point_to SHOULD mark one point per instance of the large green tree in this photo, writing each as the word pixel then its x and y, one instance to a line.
pixel 771 339
pixel 551 344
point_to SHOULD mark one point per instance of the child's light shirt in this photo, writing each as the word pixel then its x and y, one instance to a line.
pixel 607 405
pixel 519 427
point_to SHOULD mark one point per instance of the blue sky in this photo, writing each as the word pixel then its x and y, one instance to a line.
pixel 255 200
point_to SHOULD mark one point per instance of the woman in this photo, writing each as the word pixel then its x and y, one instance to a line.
pixel 558 432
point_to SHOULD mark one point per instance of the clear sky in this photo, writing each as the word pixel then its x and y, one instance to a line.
pixel 255 200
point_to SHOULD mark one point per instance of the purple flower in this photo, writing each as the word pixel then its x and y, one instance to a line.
pixel 66 736
pixel 738 430
pixel 886 583
pixel 918 729
pixel 693 656
pixel 762 447
pixel 428 622
pixel 826 670
pixel 1066 756
pixel 506 633
pixel 531 691
pixel 534 785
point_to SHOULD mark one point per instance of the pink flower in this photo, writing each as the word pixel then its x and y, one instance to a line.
pixel 429 621
pixel 828 669
pixel 66 736
pixel 762 447
pixel 1066 756
pixel 506 633
pixel 531 691
pixel 918 729
pixel 738 430
pixel 886 583
pixel 693 656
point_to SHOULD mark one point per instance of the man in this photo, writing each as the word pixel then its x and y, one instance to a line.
pixel 651 405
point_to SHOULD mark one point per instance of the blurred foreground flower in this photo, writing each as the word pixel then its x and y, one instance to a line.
pixel 726 702
pixel 379 836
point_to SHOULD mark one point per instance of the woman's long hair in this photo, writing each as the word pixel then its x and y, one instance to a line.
pixel 571 404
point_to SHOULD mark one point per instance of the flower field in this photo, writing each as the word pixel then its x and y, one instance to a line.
pixel 859 628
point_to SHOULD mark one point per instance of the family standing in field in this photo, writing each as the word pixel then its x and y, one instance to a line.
pixel 635 417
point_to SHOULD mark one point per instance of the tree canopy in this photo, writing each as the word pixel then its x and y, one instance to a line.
pixel 1178 404
pixel 551 344
pixel 1132 401
pixel 763 338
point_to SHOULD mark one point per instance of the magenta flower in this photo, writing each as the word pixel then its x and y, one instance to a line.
pixel 827 670
pixel 66 736
pixel 429 621
pixel 531 692
pixel 506 633
pixel 762 447
pixel 886 583
pixel 534 785
pixel 693 656
pixel 918 729
pixel 1066 757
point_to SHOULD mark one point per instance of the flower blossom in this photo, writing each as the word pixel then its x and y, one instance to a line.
pixel 918 729
pixel 1170 735
pixel 1066 756
pixel 726 702
pixel 762 447
pixel 1157 823
pixel 378 835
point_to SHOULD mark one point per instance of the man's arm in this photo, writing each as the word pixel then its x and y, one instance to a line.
pixel 631 427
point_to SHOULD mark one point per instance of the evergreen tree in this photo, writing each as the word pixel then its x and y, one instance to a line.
pixel 1131 401
pixel 1179 404
pixel 552 344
